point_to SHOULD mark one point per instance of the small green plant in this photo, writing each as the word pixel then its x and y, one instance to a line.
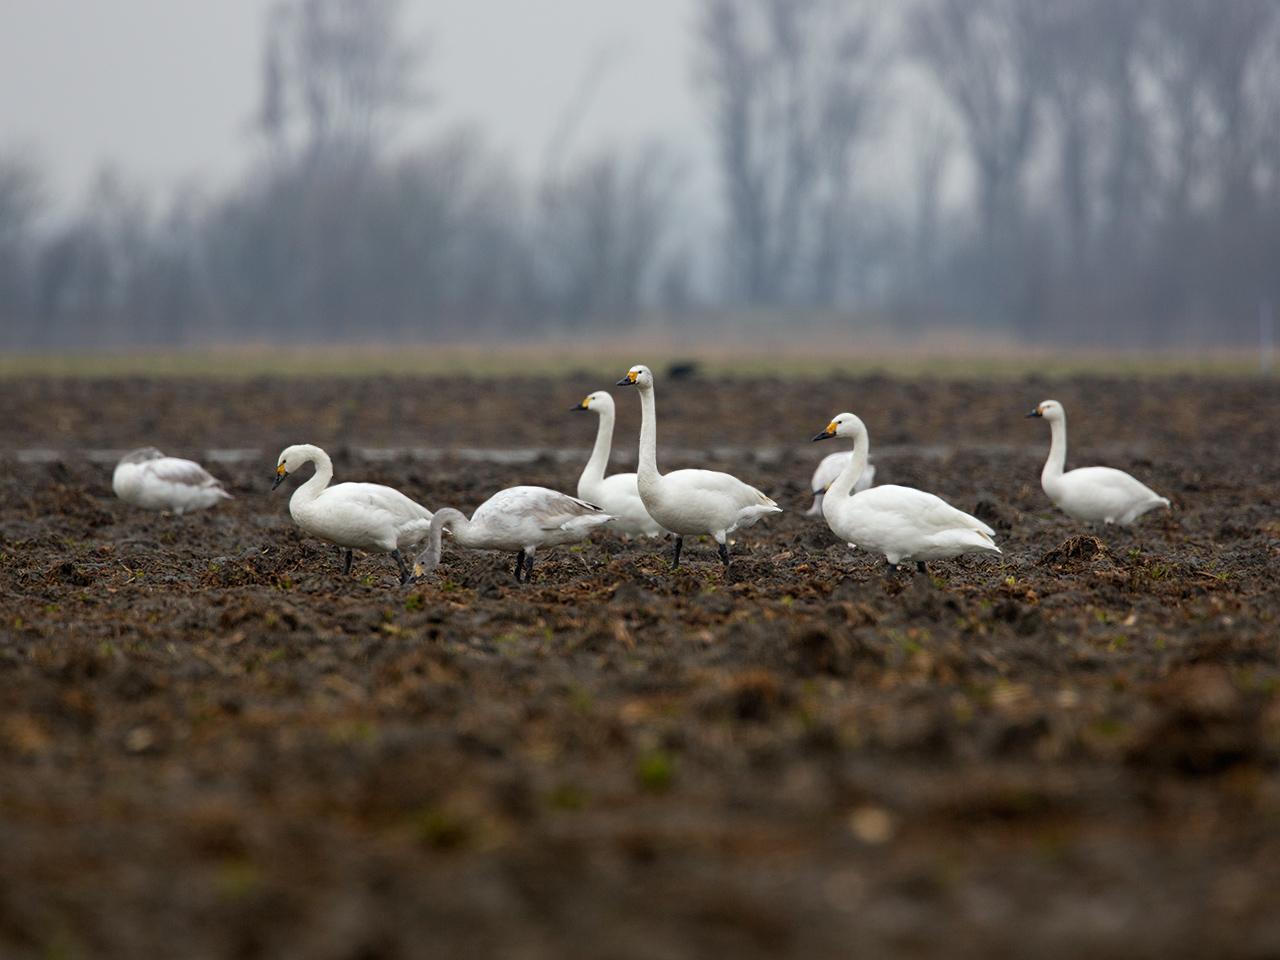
pixel 413 603
pixel 237 879
pixel 567 796
pixel 441 829
pixel 655 771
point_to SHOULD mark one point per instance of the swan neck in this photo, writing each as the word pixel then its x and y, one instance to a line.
pixel 429 559
pixel 593 472
pixel 1057 461
pixel 318 481
pixel 647 469
pixel 843 484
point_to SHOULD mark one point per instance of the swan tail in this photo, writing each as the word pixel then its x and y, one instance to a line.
pixel 969 541
pixel 1146 506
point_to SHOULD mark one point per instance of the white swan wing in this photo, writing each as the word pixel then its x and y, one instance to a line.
pixel 377 497
pixel 185 473
pixel 717 484
pixel 1106 492
pixel 915 509
pixel 515 508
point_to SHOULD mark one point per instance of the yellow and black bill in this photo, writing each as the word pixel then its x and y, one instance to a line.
pixel 828 433
pixel 281 473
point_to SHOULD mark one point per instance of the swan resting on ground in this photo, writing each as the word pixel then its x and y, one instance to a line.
pixel 828 470
pixel 519 519
pixel 147 478
pixel 617 494
pixel 1089 494
pixel 688 502
pixel 901 522
pixel 360 516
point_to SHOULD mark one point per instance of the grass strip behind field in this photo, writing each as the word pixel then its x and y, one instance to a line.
pixel 792 361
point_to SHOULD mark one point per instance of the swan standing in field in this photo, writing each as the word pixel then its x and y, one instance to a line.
pixel 688 502
pixel 147 478
pixel 359 516
pixel 828 470
pixel 1089 494
pixel 901 522
pixel 519 519
pixel 617 494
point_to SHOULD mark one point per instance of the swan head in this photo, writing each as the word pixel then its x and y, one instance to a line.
pixel 638 376
pixel 597 402
pixel 1049 410
pixel 291 458
pixel 842 425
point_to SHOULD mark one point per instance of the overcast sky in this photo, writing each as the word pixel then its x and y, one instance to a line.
pixel 164 89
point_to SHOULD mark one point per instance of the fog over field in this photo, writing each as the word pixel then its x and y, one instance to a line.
pixel 1047 174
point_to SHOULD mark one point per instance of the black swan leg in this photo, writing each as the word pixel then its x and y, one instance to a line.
pixel 346 564
pixel 724 555
pixel 406 574
pixel 528 567
pixel 921 567
pixel 675 562
pixel 519 565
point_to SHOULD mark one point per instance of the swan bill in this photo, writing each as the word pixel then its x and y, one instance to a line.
pixel 826 434
pixel 1037 412
pixel 281 473
pixel 628 381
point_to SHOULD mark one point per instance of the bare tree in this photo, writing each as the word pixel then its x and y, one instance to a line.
pixel 791 84
pixel 339 69
pixel 602 231
pixel 20 203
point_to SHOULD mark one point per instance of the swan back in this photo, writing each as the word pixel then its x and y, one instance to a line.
pixel 526 517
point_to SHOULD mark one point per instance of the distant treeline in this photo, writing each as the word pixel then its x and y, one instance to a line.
pixel 1080 171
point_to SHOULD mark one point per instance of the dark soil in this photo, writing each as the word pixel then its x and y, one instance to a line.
pixel 212 744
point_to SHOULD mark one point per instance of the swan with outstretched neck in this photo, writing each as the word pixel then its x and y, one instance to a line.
pixel 1089 494
pixel 901 522
pixel 360 516
pixel 518 519
pixel 690 502
pixel 619 493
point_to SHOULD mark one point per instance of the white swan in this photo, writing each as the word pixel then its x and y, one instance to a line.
pixel 361 516
pixel 901 522
pixel 690 501
pixel 147 478
pixel 520 519
pixel 1089 494
pixel 617 494
pixel 828 470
